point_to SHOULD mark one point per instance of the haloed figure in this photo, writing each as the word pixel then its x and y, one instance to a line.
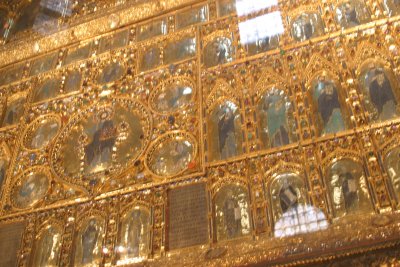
pixel 226 130
pixel 232 216
pixel 99 150
pixel 89 242
pixel 329 107
pixel 350 15
pixel 277 123
pixel 382 97
pixel 287 197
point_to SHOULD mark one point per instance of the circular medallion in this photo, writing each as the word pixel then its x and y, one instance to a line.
pixel 172 95
pixel 31 187
pixel 101 141
pixel 41 132
pixel 171 154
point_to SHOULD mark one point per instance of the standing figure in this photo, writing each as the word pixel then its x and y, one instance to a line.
pixel 47 249
pixel 227 137
pixel 232 216
pixel 381 93
pixel 329 107
pixel 3 169
pixel 277 121
pixel 287 197
pixel 98 152
pixel 349 189
pixel 134 235
pixel 89 242
pixel 350 16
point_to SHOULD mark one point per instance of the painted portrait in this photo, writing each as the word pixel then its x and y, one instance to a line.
pixel 329 115
pixel 307 26
pixel 218 51
pixel 276 120
pixel 380 99
pixel 232 212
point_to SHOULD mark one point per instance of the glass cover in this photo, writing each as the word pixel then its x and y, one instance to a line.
pixel 232 214
pixel 88 243
pixel 134 236
pixel 31 189
pixel 348 188
pixel 48 247
pixel 40 133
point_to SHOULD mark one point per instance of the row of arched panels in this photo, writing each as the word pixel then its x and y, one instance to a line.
pixel 291 212
pixel 330 113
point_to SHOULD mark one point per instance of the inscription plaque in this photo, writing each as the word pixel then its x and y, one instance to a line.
pixel 10 236
pixel 187 220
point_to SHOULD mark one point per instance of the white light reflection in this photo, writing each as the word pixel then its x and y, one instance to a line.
pixel 261 27
pixel 301 219
pixel 245 7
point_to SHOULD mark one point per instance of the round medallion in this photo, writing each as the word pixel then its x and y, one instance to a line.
pixel 30 188
pixel 41 132
pixel 172 95
pixel 171 154
pixel 101 141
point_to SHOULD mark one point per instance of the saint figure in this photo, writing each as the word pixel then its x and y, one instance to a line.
pixel 381 93
pixel 99 151
pixel 329 107
pixel 277 122
pixel 232 216
pixel 287 197
pixel 89 242
pixel 227 137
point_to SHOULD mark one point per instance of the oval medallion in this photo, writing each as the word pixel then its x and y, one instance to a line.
pixel 101 141
pixel 171 154
pixel 30 188
pixel 41 132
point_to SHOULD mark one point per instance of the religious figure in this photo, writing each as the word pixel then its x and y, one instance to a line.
pixel 3 169
pixel 89 240
pixel 135 234
pixel 277 122
pixel 226 134
pixel 288 198
pixel 345 194
pixel 150 59
pixel 392 164
pixel 14 112
pixel 303 28
pixel 232 216
pixel 48 249
pixel 99 151
pixel 381 94
pixel 348 15
pixel 329 107
pixel 111 73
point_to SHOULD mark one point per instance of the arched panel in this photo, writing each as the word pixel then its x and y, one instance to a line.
pixel 352 13
pixel 306 26
pixel 88 242
pixel 392 166
pixel 232 215
pixel 347 187
pixel 225 134
pixel 379 86
pixel 329 106
pixel 287 192
pixel 134 236
pixel 48 247
pixel 276 121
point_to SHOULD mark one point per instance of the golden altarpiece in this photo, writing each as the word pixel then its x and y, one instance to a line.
pixel 199 133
